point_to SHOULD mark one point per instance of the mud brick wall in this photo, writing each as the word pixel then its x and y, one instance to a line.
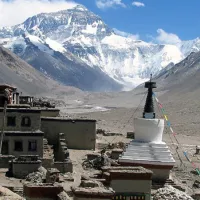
pixel 50 112
pixel 78 133
pixel 22 169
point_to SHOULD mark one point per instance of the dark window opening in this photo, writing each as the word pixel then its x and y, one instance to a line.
pixel 18 146
pixel 26 121
pixel 5 147
pixel 32 145
pixel 11 121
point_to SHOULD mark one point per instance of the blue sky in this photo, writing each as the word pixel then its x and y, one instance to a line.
pixel 180 17
pixel 160 21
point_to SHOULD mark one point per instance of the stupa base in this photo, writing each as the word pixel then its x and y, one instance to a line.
pixel 153 156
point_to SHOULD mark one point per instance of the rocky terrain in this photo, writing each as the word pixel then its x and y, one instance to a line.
pixel 16 72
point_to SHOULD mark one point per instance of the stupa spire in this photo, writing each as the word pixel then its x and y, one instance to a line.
pixel 149 112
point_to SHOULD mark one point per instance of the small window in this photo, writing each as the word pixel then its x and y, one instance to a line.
pixel 11 121
pixel 26 121
pixel 32 145
pixel 18 146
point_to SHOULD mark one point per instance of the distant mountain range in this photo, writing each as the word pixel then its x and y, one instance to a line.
pixel 76 48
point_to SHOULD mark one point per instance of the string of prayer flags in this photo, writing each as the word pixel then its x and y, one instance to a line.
pixel 174 134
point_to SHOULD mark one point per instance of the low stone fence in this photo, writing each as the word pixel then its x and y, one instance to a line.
pixel 24 165
pixel 44 191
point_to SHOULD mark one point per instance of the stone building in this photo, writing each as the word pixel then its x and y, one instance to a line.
pixel 39 131
pixel 10 93
pixel 22 135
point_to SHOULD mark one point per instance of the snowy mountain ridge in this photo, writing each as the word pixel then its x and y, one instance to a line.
pixel 84 35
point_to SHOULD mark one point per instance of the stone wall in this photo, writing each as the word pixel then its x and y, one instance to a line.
pixel 19 113
pixel 132 181
pixel 79 134
pixel 48 155
pixel 64 166
pixel 20 169
pixel 61 151
pixel 50 112
pixel 42 192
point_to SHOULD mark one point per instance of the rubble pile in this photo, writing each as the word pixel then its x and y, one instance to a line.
pixel 119 145
pixel 35 177
pixel 56 102
pixel 170 193
pixel 90 184
pixel 41 102
pixel 92 188
pixel 98 162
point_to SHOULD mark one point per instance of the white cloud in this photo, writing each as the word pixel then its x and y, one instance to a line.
pixel 103 4
pixel 138 4
pixel 128 35
pixel 167 38
pixel 13 12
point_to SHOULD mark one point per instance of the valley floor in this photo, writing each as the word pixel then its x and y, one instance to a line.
pixel 185 119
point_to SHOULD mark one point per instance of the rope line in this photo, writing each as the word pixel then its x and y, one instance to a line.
pixel 141 100
pixel 174 134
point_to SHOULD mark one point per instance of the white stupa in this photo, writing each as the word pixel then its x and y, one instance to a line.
pixel 148 149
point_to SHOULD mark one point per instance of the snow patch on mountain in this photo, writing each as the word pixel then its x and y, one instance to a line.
pixel 190 46
pixel 55 45
pixel 91 29
pixel 39 43
pixel 117 41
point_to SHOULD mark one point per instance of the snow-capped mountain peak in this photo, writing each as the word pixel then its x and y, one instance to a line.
pixel 83 34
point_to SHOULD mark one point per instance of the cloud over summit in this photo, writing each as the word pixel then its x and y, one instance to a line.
pixel 16 11
pixel 103 4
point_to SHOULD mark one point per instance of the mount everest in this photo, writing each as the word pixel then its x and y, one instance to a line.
pixel 77 48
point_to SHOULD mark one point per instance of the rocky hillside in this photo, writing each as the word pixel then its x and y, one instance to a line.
pixel 183 77
pixel 16 72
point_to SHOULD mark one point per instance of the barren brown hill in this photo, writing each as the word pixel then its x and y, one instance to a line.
pixel 16 72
